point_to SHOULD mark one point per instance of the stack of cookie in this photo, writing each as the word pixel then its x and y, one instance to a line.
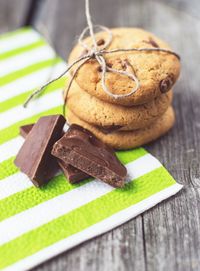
pixel 131 121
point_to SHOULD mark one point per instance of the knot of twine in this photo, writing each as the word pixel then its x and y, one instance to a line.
pixel 95 52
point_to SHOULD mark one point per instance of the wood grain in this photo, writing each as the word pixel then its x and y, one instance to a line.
pixel 167 236
pixel 12 14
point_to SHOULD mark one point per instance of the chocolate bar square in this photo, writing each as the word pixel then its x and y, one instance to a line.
pixel 81 149
pixel 35 158
pixel 72 174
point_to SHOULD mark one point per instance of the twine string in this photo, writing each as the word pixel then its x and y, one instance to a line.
pixel 71 81
pixel 98 52
pixel 38 91
pixel 90 24
pixel 141 50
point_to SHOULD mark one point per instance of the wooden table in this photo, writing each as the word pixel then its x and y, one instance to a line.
pixel 166 237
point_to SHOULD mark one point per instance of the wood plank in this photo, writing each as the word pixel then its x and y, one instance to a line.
pixel 102 253
pixel 191 7
pixel 12 14
pixel 171 229
pixel 166 237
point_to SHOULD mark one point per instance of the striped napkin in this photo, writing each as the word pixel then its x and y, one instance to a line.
pixel 37 224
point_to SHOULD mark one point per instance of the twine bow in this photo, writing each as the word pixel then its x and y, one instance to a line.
pixel 95 52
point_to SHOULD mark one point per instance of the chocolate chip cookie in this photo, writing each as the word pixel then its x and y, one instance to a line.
pixel 110 117
pixel 156 71
pixel 130 139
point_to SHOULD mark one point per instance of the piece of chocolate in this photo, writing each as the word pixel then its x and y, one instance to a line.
pixel 81 149
pixel 25 129
pixel 73 174
pixel 34 157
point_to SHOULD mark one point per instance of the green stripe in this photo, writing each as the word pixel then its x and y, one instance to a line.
pixel 13 131
pixel 32 196
pixel 130 155
pixel 88 215
pixel 4 80
pixel 16 32
pixel 7 168
pixel 20 99
pixel 23 49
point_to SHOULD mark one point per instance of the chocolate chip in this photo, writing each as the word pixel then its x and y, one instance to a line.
pixel 109 65
pixel 166 84
pixel 99 69
pixel 125 64
pixel 100 42
pixel 152 42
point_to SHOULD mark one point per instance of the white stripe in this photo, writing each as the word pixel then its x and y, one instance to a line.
pixel 142 165
pixel 18 40
pixel 13 184
pixel 10 148
pixel 26 59
pixel 30 81
pixel 37 106
pixel 62 204
pixel 94 230
pixel 18 181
